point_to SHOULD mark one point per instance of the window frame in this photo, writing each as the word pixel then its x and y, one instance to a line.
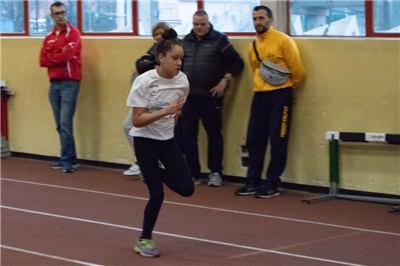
pixel 369 16
pixel 230 33
pixel 135 29
pixel 26 23
pixel 369 25
pixel 135 32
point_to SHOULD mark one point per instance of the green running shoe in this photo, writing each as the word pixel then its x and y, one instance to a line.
pixel 146 248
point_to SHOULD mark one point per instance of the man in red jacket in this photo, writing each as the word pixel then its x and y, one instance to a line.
pixel 61 55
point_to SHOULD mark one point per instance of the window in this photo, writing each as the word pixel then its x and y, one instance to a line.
pixel 177 13
pixel 107 16
pixel 380 18
pixel 12 17
pixel 327 18
pixel 40 21
pixel 231 16
pixel 386 16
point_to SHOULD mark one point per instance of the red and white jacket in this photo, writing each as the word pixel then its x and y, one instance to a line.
pixel 61 54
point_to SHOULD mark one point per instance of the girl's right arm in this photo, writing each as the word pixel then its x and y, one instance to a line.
pixel 141 119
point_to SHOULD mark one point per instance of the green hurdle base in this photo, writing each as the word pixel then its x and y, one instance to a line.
pixel 334 183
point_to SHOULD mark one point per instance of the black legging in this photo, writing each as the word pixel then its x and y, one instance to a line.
pixel 176 175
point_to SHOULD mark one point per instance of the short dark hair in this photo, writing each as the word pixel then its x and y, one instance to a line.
pixel 269 12
pixel 169 38
pixel 201 12
pixel 57 4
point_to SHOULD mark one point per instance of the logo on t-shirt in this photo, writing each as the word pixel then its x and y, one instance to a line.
pixel 155 105
pixel 153 86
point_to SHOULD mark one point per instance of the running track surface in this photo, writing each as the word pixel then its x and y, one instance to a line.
pixel 94 216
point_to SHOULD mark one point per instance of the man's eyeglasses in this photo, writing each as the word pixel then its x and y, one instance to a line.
pixel 62 13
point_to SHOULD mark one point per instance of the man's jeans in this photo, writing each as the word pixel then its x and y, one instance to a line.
pixel 63 96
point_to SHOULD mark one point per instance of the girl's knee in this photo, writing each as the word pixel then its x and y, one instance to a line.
pixel 187 191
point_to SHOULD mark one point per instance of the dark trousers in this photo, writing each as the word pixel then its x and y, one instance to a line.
pixel 270 119
pixel 178 135
pixel 176 175
pixel 209 110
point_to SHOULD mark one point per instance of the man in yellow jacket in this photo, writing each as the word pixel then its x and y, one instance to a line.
pixel 271 109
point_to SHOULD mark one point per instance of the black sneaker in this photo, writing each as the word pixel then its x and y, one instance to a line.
pixel 246 190
pixel 267 191
pixel 59 165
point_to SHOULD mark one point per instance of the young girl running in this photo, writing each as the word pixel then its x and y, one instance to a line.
pixel 143 64
pixel 157 97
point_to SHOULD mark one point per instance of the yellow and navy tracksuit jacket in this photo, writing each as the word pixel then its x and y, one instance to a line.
pixel 280 49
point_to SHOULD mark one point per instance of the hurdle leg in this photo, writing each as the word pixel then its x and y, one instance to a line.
pixel 333 174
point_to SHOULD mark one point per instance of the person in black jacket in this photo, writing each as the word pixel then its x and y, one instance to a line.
pixel 210 61
pixel 146 62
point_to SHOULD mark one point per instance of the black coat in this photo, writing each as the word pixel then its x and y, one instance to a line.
pixel 207 61
pixel 143 66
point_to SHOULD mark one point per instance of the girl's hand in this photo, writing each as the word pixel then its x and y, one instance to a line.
pixel 175 107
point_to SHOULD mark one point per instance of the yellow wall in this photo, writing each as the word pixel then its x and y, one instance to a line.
pixel 352 85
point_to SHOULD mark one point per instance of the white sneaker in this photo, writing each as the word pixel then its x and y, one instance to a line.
pixel 214 180
pixel 196 181
pixel 133 170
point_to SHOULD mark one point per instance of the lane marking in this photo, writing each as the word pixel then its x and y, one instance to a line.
pixel 296 245
pixel 208 208
pixel 48 256
pixel 184 237
pixel 317 241
pixel 245 255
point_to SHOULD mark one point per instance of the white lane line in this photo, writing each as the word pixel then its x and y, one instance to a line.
pixel 209 208
pixel 184 237
pixel 48 256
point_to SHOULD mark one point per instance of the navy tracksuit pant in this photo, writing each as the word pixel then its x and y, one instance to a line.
pixel 270 119
pixel 209 110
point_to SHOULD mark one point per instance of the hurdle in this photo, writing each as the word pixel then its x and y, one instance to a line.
pixel 5 95
pixel 334 137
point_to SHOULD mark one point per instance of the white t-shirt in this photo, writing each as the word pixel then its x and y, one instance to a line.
pixel 154 92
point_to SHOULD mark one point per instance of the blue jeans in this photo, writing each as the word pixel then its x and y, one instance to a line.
pixel 63 96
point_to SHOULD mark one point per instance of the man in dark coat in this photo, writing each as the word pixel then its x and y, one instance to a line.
pixel 210 61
